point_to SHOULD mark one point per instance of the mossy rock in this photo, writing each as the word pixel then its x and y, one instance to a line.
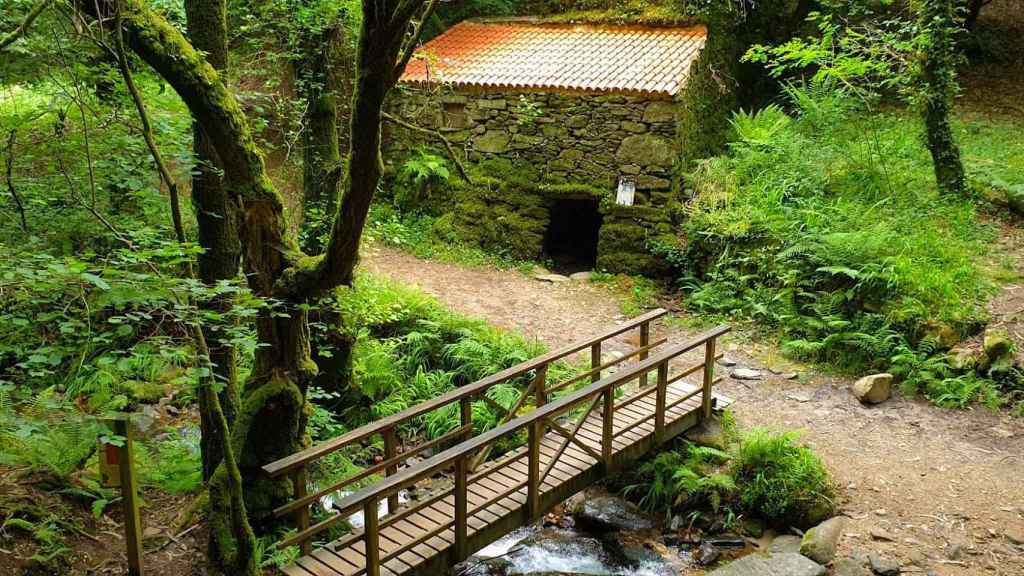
pixel 147 392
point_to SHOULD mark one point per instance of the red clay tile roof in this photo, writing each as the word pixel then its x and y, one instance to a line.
pixel 628 59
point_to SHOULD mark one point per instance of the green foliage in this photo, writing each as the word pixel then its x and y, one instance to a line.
pixel 45 432
pixel 639 293
pixel 827 228
pixel 785 483
pixel 760 474
pixel 421 171
pixel 172 462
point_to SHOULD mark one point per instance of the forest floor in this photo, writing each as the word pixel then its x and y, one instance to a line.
pixel 939 490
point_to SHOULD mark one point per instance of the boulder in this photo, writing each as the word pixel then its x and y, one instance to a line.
pixel 553 278
pixel 963 359
pixel 709 433
pixel 786 564
pixel 786 543
pixel 610 513
pixel 492 141
pixel 943 335
pixel 820 543
pixel 581 276
pixel 998 345
pixel 873 389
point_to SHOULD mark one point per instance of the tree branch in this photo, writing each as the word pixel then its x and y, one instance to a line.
pixel 436 134
pixel 25 24
pixel 147 130
pixel 10 179
pixel 414 39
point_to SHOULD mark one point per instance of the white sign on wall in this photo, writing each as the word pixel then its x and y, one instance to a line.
pixel 627 188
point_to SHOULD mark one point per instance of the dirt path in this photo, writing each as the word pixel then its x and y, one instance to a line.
pixel 946 487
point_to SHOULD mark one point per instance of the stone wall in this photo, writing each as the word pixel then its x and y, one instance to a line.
pixel 587 138
pixel 550 145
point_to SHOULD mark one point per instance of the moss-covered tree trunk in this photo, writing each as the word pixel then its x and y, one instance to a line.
pixel 316 76
pixel 217 228
pixel 940 55
pixel 271 420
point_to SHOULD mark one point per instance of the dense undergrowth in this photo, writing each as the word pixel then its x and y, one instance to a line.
pixel 822 223
pixel 754 475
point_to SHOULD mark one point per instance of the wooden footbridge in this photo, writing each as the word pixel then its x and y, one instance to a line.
pixel 576 433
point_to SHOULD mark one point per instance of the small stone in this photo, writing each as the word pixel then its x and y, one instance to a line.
pixel 727 361
pixel 553 278
pixel 955 551
pixel 1015 534
pixel 581 276
pixel 918 558
pixel 873 389
pixel 634 127
pixel 798 396
pixel 849 567
pixel 708 553
pixel 790 376
pixel 883 566
pixel 882 534
pixel 659 111
pixel 746 374
pixel 1003 433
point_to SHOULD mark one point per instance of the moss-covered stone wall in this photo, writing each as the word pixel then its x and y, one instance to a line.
pixel 527 150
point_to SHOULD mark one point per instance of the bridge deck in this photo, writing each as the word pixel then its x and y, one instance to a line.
pixel 422 543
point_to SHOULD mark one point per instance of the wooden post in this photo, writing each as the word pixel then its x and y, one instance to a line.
pixel 124 476
pixel 533 479
pixel 645 339
pixel 466 416
pixel 608 422
pixel 709 377
pixel 302 514
pixel 660 401
pixel 595 360
pixel 461 508
pixel 390 451
pixel 540 386
pixel 371 528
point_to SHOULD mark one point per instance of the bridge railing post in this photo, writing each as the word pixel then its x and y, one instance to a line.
pixel 299 489
pixel 660 399
pixel 371 533
pixel 533 473
pixel 390 451
pixel 595 361
pixel 607 427
pixel 707 399
pixel 645 340
pixel 461 509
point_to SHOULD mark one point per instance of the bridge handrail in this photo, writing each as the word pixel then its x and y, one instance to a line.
pixel 302 458
pixel 367 498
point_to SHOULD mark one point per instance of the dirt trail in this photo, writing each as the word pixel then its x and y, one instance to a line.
pixel 941 491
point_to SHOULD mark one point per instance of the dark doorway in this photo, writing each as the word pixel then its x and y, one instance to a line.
pixel 571 241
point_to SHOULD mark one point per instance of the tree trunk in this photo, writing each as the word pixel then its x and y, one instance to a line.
pixel 218 235
pixel 322 168
pixel 940 56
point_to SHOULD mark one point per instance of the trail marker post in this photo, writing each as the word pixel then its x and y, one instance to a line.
pixel 118 471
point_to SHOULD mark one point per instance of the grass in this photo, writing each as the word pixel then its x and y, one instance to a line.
pixel 636 293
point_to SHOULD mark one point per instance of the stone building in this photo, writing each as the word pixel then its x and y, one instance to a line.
pixel 572 130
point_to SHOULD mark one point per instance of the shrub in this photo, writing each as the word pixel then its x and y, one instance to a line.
pixel 761 474
pixel 781 481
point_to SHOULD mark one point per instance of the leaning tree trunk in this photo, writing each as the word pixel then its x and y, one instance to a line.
pixel 217 227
